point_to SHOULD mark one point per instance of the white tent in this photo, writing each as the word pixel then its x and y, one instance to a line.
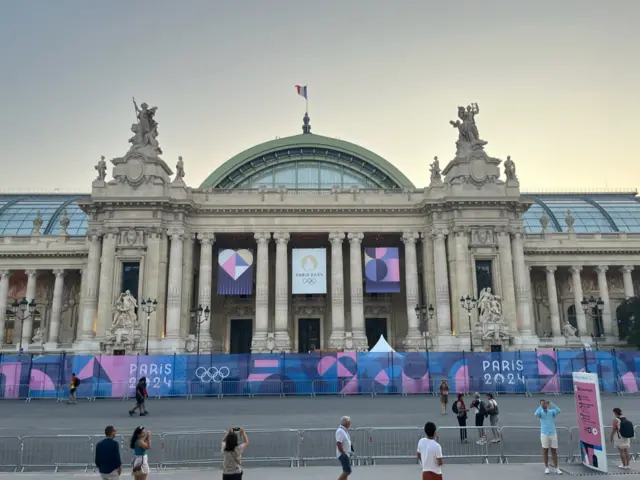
pixel 382 347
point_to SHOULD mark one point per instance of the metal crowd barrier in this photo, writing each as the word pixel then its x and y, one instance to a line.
pixel 298 448
pixel 312 388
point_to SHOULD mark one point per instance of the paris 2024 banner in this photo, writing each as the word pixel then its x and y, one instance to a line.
pixel 103 376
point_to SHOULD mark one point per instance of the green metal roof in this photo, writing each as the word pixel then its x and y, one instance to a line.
pixel 301 148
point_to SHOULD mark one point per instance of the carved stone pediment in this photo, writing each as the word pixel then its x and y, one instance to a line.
pixel 483 236
pixel 244 310
pixel 376 310
pixel 131 239
pixel 309 310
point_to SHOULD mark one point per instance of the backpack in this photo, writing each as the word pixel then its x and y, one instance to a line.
pixel 495 410
pixel 625 429
pixel 454 407
pixel 482 408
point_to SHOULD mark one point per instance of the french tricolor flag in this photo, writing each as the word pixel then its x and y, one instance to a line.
pixel 302 90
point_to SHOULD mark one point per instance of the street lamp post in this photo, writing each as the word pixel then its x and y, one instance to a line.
pixel 424 314
pixel 594 308
pixel 21 311
pixel 469 304
pixel 201 315
pixel 148 306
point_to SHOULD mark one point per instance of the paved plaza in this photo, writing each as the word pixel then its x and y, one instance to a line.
pixel 45 417
pixel 459 472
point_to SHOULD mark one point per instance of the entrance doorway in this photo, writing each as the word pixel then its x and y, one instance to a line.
pixel 240 335
pixel 374 327
pixel 308 334
pixel 496 348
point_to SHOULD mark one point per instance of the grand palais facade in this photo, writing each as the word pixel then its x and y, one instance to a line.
pixel 313 243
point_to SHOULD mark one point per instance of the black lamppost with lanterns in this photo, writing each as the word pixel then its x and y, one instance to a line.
pixel 594 307
pixel 469 304
pixel 148 306
pixel 425 314
pixel 201 316
pixel 22 310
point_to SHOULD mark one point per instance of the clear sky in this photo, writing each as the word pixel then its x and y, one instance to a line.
pixel 557 82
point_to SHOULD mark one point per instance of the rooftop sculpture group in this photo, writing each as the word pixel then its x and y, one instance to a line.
pixel 146 130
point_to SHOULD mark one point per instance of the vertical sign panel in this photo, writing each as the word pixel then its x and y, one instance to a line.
pixel 235 272
pixel 309 270
pixel 382 270
pixel 593 448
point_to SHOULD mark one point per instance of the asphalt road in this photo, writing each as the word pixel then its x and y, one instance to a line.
pixel 44 417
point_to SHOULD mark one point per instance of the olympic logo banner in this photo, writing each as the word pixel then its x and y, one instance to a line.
pixel 309 271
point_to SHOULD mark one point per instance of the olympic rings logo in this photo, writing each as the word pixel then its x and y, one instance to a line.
pixel 309 281
pixel 213 374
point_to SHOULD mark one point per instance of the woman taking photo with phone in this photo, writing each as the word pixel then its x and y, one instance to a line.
pixel 232 450
pixel 140 443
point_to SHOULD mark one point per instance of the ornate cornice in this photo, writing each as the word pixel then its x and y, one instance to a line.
pixel 581 251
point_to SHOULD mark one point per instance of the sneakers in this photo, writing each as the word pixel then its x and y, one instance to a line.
pixel 482 441
pixel 624 467
pixel 556 470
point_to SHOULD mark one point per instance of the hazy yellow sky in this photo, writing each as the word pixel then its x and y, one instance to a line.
pixel 557 83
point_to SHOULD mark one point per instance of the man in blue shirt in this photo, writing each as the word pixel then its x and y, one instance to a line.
pixel 547 413
pixel 108 455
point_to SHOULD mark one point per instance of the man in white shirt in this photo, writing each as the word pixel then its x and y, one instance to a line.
pixel 343 447
pixel 430 454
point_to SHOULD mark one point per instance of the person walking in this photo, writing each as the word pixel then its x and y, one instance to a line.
pixel 444 395
pixel 430 454
pixel 141 395
pixel 344 449
pixel 140 443
pixel 492 410
pixel 621 435
pixel 460 409
pixel 232 450
pixel 480 410
pixel 107 457
pixel 73 385
pixel 547 413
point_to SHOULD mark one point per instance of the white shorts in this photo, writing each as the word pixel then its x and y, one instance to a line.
pixel 141 461
pixel 549 441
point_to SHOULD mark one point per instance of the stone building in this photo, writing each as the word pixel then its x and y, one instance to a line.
pixel 530 259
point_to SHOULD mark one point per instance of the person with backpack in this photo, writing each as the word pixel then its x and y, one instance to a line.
pixel 492 410
pixel 460 410
pixel 73 386
pixel 480 409
pixel 621 435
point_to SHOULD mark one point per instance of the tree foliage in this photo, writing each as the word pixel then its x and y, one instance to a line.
pixel 629 321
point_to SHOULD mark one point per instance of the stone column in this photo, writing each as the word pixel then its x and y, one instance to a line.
pixel 259 342
pixel 174 290
pixel 521 285
pixel 428 275
pixel 626 279
pixel 357 300
pixel 554 309
pixel 603 291
pixel 155 274
pixel 577 299
pixel 90 288
pixel 56 309
pixel 4 301
pixel 463 282
pixel 186 304
pixel 204 285
pixel 443 308
pixel 413 340
pixel 27 326
pixel 105 296
pixel 336 340
pixel 507 291
pixel 282 338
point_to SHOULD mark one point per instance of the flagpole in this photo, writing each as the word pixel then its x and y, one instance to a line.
pixel 306 98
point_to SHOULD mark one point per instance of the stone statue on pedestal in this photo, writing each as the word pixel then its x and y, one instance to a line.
pixel 569 331
pixel 125 328
pixel 179 171
pixel 569 220
pixel 510 169
pixel 38 336
pixel 146 130
pixel 468 136
pixel 544 223
pixel 37 223
pixel 101 168
pixel 489 306
pixel 436 173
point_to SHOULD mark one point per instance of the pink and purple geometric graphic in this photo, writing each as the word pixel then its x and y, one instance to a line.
pixel 235 272
pixel 382 270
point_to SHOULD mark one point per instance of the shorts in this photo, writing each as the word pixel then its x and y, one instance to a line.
pixel 493 420
pixel 549 441
pixel 232 476
pixel 110 476
pixel 444 399
pixel 622 443
pixel 142 461
pixel 431 476
pixel 479 419
pixel 345 462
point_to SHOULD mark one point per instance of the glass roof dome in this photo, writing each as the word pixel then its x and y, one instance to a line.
pixel 604 213
pixel 17 213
